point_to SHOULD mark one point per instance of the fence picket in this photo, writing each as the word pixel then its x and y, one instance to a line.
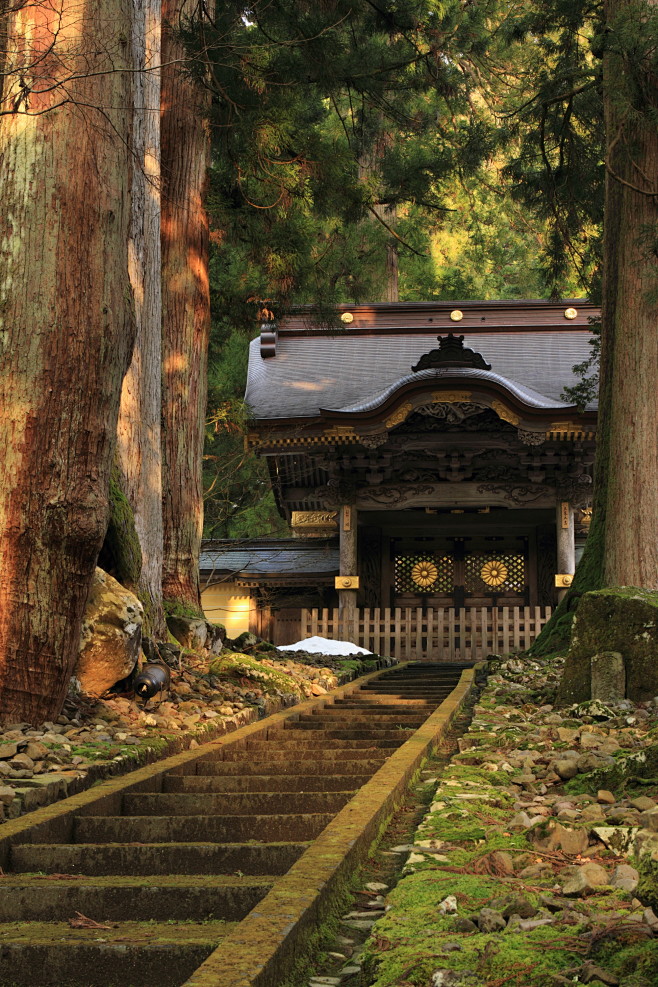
pixel 441 634
pixel 398 633
pixel 451 632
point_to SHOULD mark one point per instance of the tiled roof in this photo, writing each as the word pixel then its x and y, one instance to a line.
pixel 312 371
pixel 279 558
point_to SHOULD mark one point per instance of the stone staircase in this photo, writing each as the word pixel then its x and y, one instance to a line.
pixel 143 885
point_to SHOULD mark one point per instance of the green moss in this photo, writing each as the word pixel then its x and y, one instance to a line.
pixel 630 956
pixel 121 553
pixel 413 933
pixel 234 666
pixel 182 608
pixel 647 889
pixel 622 619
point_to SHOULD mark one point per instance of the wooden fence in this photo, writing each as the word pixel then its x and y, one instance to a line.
pixel 441 634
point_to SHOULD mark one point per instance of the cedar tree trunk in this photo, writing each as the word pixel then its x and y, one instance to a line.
pixel 139 451
pixel 66 328
pixel 628 435
pixel 185 307
pixel 622 545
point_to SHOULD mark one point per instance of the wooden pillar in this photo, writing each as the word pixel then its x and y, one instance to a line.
pixel 348 565
pixel 566 542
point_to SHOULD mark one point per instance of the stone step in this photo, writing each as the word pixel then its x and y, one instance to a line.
pixel 366 763
pixel 198 829
pixel 146 859
pixel 422 690
pixel 264 783
pixel 376 701
pixel 56 898
pixel 379 719
pixel 321 732
pixel 287 745
pixel 131 954
pixel 341 753
pixel 234 803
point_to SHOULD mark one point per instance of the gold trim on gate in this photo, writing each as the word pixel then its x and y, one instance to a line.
pixel 400 415
pixel 339 432
pixel 346 582
pixel 505 413
pixel 450 397
pixel 315 519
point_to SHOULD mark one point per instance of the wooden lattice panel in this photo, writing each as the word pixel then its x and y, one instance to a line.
pixel 494 572
pixel 429 573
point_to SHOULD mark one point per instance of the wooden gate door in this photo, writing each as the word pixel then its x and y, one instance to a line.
pixel 458 573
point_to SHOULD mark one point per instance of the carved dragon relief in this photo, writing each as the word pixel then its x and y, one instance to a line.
pixel 453 413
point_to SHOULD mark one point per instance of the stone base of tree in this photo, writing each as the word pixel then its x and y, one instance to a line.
pixel 614 647
pixel 196 633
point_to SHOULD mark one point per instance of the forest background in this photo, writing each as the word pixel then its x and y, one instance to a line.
pixel 462 160
pixel 334 151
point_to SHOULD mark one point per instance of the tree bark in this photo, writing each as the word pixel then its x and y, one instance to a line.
pixel 66 328
pixel 185 307
pixel 139 450
pixel 628 412
pixel 622 544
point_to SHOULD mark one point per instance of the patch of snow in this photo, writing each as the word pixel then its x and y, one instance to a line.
pixel 324 646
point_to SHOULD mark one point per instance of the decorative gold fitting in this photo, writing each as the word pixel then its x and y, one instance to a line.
pixel 347 318
pixel 570 313
pixel 450 397
pixel 315 519
pixel 505 413
pixel 346 582
pixel 339 431
pixel 563 580
pixel 399 416
pixel 456 315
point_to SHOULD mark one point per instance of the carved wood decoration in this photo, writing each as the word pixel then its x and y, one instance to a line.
pixel 451 353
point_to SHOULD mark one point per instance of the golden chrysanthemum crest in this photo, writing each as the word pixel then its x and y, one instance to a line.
pixel 425 573
pixel 494 572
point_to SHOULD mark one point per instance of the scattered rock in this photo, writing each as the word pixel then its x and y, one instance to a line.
pixel 625 877
pixel 584 880
pixel 570 841
pixel 643 803
pixel 448 906
pixel 566 767
pixel 490 921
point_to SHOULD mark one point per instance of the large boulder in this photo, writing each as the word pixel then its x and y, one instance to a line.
pixel 111 635
pixel 622 621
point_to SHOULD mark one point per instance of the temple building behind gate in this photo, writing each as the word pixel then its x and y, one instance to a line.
pixel 429 449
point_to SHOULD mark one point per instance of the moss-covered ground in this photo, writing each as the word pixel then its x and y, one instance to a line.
pixel 467 848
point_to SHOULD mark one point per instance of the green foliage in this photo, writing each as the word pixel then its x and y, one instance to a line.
pixel 238 499
pixel 467 135
pixel 551 122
